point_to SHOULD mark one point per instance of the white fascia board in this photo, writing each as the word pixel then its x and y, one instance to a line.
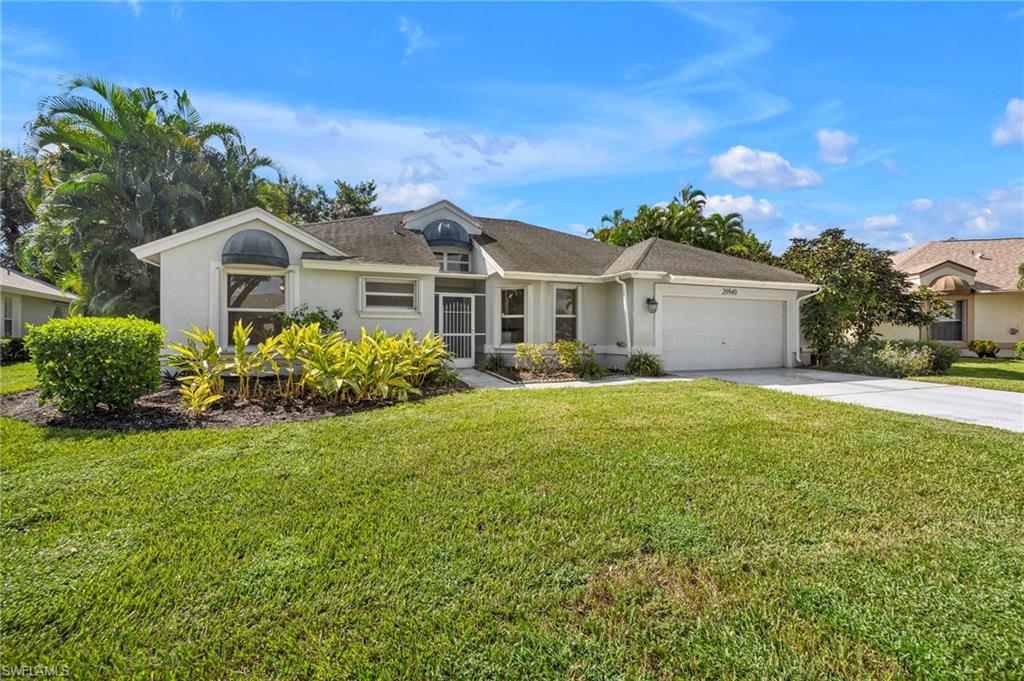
pixel 150 252
pixel 372 267
pixel 444 204
pixel 29 293
pixel 551 276
pixel 743 283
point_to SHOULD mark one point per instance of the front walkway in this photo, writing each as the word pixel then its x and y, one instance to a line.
pixel 479 379
pixel 995 408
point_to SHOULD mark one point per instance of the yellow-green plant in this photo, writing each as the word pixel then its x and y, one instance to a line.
pixel 245 363
pixel 199 357
pixel 197 395
pixel 268 353
pixel 289 345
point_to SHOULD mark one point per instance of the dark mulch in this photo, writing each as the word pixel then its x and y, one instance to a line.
pixel 164 410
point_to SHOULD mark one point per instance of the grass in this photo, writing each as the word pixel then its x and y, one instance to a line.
pixel 696 529
pixel 17 377
pixel 994 374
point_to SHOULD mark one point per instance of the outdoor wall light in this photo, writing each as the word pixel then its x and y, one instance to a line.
pixel 652 305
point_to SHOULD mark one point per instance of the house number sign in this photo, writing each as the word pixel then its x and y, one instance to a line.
pixel 729 292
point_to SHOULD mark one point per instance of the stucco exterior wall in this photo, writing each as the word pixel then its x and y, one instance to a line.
pixel 192 288
pixel 892 332
pixel 28 309
pixel 996 313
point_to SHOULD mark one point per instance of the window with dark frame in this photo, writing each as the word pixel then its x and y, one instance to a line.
pixel 452 261
pixel 8 316
pixel 513 316
pixel 255 299
pixel 566 316
pixel 950 328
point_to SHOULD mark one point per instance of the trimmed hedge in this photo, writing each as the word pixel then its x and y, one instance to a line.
pixel 896 358
pixel 1018 350
pixel 12 350
pixel 84 363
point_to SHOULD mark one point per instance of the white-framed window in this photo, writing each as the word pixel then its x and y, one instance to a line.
pixel 255 299
pixel 513 315
pixel 392 295
pixel 567 313
pixel 8 316
pixel 452 261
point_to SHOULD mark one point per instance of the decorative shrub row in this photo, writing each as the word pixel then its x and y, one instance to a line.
pixel 1018 350
pixel 12 350
pixel 983 348
pixel 305 360
pixel 896 358
pixel 548 359
pixel 84 363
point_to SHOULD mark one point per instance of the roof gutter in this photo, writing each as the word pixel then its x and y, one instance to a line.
pixel 744 283
pixel 625 312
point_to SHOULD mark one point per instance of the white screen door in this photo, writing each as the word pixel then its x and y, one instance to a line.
pixel 456 321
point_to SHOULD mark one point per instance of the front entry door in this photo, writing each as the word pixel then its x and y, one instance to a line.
pixel 456 322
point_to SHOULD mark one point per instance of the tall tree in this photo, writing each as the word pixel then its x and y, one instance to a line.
pixel 17 178
pixel 683 220
pixel 354 200
pixel 122 166
pixel 860 291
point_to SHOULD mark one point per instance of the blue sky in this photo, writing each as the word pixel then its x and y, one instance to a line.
pixel 900 122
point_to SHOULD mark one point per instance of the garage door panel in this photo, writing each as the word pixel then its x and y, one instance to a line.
pixel 709 333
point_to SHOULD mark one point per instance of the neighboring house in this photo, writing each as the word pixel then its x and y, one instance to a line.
pixel 27 300
pixel 979 278
pixel 484 285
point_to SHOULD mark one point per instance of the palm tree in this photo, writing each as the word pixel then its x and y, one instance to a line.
pixel 1020 273
pixel 120 167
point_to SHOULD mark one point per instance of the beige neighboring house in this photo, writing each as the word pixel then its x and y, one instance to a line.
pixel 27 300
pixel 979 278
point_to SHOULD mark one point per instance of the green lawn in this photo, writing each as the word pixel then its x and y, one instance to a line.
pixel 17 377
pixel 666 530
pixel 995 374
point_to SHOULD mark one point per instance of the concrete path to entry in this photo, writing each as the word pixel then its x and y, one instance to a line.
pixel 996 408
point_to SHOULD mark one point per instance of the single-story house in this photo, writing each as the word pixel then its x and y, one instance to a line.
pixel 484 285
pixel 27 300
pixel 979 278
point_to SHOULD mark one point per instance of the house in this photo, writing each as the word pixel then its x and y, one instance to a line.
pixel 484 284
pixel 979 278
pixel 27 300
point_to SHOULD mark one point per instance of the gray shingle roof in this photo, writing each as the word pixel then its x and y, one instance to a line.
pixel 520 247
pixel 660 255
pixel 22 283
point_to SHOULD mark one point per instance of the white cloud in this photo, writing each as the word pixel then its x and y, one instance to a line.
pixel 901 242
pixel 415 38
pixel 921 204
pixel 834 146
pixel 999 211
pixel 136 6
pixel 802 231
pixel 1010 130
pixel 750 168
pixel 578 228
pixel 754 211
pixel 408 196
pixel 874 222
pixel 894 167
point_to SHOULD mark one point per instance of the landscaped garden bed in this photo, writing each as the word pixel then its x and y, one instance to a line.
pixel 105 373
pixel 163 409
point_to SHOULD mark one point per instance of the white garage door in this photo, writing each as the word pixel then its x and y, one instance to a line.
pixel 712 333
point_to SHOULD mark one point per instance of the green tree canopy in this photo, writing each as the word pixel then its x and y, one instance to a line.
pixel 306 203
pixel 683 220
pixel 18 192
pixel 861 289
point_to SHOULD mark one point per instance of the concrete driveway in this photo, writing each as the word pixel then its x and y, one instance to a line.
pixel 995 408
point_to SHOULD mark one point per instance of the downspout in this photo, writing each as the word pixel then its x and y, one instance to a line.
pixel 799 302
pixel 625 312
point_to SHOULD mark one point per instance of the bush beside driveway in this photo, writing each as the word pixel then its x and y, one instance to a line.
pixel 991 374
